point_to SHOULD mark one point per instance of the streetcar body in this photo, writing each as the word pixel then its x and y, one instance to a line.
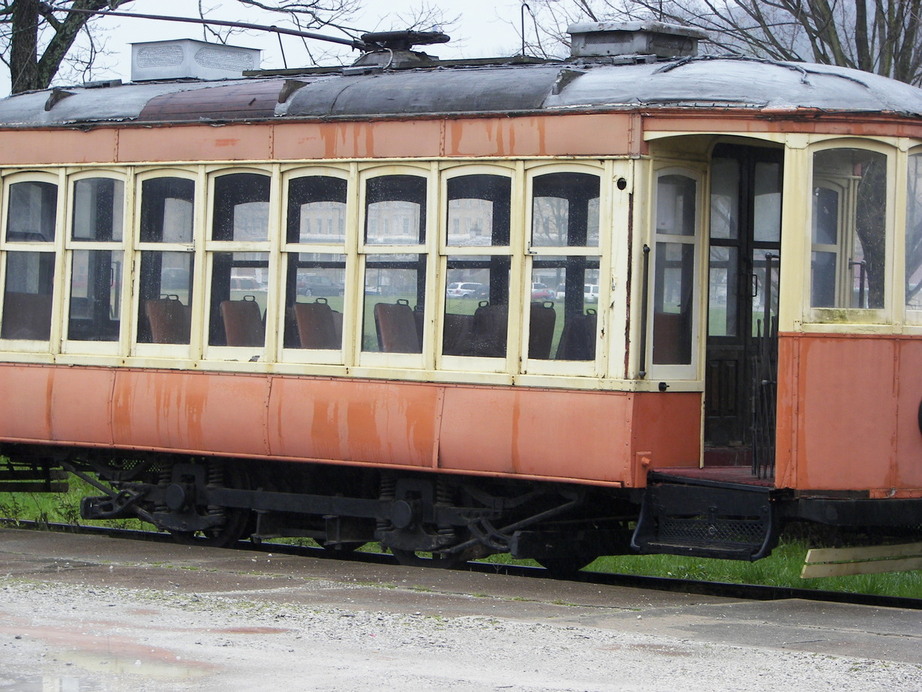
pixel 240 299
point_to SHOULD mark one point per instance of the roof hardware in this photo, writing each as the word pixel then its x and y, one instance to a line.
pixel 564 78
pixel 57 95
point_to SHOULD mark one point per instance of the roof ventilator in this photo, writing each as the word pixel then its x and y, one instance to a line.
pixel 393 50
pixel 633 41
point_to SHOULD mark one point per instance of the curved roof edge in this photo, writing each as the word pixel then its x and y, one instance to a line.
pixel 702 83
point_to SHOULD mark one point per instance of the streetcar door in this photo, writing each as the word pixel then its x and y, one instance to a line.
pixel 745 242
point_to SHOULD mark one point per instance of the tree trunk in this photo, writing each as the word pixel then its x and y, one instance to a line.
pixel 24 46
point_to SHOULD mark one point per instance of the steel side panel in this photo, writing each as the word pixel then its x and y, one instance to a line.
pixel 357 140
pixel 560 434
pixel 58 404
pixel 537 433
pixel 195 143
pixel 837 413
pixel 27 148
pixel 574 135
pixel 667 427
pixel 205 412
pixel 353 420
pixel 909 438
pixel 25 391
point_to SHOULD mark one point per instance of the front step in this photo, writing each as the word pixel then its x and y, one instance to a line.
pixel 683 516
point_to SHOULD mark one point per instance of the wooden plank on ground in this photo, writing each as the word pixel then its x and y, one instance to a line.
pixel 836 562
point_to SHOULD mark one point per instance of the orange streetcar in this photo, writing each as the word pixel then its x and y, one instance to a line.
pixel 635 300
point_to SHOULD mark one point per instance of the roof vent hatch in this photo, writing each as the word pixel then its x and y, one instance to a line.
pixel 619 39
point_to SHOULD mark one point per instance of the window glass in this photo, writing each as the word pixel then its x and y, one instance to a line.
pixel 166 291
pixel 241 207
pixel 239 289
pixel 674 270
pixel 478 210
pixel 766 211
pixel 722 295
pixel 914 234
pixel 672 299
pixel 95 295
pixel 316 210
pixel 565 210
pixel 395 291
pixel 98 204
pixel 165 306
pixel 316 285
pixel 476 306
pixel 564 300
pixel 166 210
pixel 725 184
pixel 395 210
pixel 96 274
pixel 27 296
pixel 849 228
pixel 675 205
pixel 32 211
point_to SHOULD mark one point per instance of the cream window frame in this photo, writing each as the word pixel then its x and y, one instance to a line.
pixel 824 318
pixel 422 361
pixel 194 348
pixel 346 248
pixel 269 247
pixel 123 247
pixel 509 364
pixel 605 171
pixel 691 371
pixel 53 344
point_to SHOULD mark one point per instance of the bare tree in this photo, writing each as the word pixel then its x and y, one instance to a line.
pixel 36 37
pixel 881 36
pixel 336 15
pixel 39 38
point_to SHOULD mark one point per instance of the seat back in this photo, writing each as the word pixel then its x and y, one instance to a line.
pixel 396 327
pixel 170 321
pixel 541 330
pixel 489 331
pixel 317 325
pixel 577 341
pixel 26 316
pixel 243 324
pixel 457 334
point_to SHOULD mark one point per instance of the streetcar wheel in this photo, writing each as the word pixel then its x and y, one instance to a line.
pixel 236 526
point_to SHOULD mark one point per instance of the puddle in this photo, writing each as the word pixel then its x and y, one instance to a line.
pixel 113 664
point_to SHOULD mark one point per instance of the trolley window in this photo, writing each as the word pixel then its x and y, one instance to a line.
pixel 97 259
pixel 477 281
pixel 166 268
pixel 30 267
pixel 564 286
pixel 315 280
pixel 395 264
pixel 913 294
pixel 848 229
pixel 674 270
pixel 240 265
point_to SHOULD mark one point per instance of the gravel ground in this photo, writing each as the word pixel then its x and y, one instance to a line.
pixel 78 637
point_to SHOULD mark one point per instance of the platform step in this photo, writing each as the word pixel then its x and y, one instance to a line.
pixel 705 519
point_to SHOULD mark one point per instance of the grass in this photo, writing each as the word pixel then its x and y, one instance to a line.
pixel 781 568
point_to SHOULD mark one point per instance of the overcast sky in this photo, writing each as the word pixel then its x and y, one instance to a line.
pixel 486 28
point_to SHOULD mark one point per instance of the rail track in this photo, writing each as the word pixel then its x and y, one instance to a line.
pixel 754 592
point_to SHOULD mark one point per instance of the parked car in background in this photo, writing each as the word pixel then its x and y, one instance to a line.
pixel 542 292
pixel 318 285
pixel 591 293
pixel 466 289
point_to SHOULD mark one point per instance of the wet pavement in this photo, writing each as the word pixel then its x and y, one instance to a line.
pixel 95 613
